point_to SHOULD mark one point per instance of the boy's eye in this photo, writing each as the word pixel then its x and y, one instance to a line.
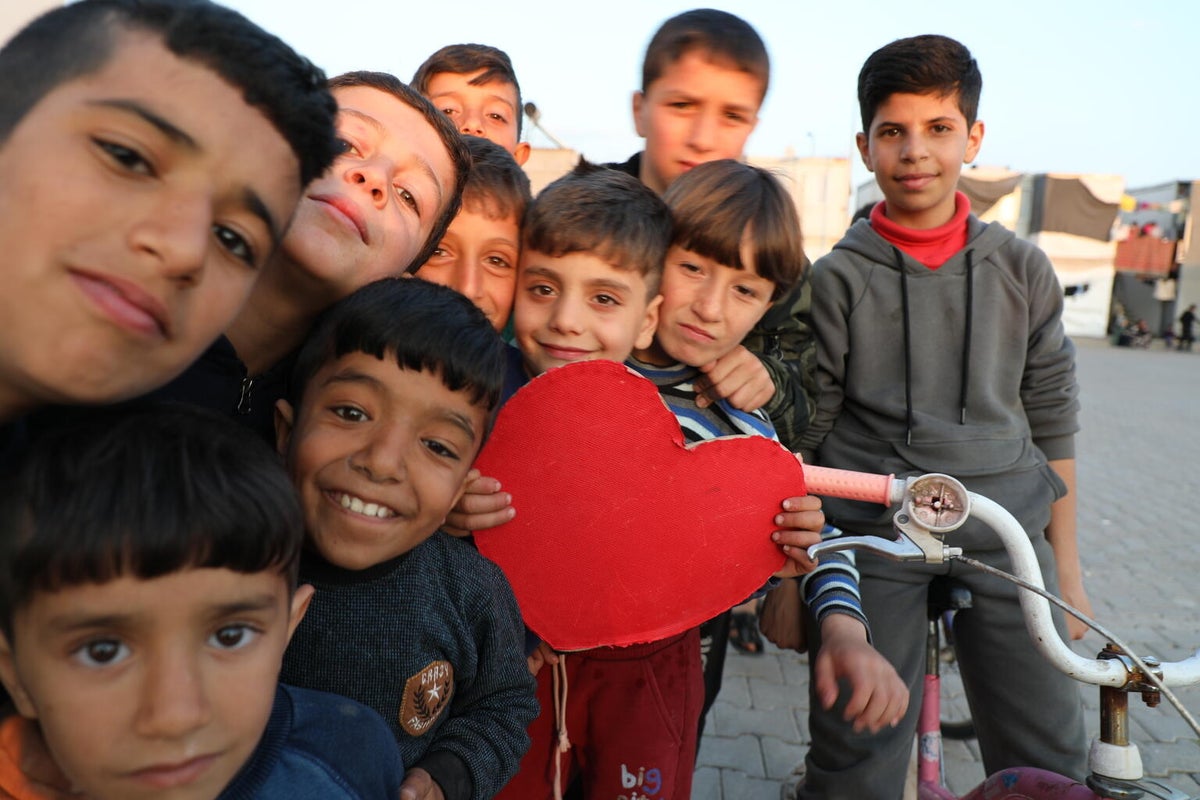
pixel 688 266
pixel 233 637
pixel 345 147
pixel 126 157
pixel 498 262
pixel 440 450
pixel 497 117
pixel 235 243
pixel 349 413
pixel 102 652
pixel 407 198
pixel 541 290
pixel 746 291
pixel 607 300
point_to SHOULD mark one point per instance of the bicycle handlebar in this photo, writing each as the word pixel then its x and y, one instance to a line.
pixel 886 490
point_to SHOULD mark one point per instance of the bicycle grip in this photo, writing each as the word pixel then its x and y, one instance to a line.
pixel 849 485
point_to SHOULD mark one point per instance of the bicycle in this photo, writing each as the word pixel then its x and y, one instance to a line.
pixel 933 506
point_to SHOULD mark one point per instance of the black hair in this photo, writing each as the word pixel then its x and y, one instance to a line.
pixel 723 38
pixel 719 205
pixel 142 491
pixel 927 64
pixel 455 147
pixel 423 326
pixel 496 187
pixel 79 39
pixel 604 212
pixel 463 59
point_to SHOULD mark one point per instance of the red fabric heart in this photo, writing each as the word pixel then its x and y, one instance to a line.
pixel 623 533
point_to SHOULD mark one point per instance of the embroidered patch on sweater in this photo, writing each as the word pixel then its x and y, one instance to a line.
pixel 426 695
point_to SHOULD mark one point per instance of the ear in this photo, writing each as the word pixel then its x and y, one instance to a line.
pixel 12 682
pixel 639 103
pixel 521 153
pixel 285 419
pixel 300 600
pixel 864 150
pixel 974 141
pixel 649 324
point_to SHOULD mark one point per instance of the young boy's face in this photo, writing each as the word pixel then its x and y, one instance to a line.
pixel 137 206
pixel 371 213
pixel 478 259
pixel 916 147
pixel 490 110
pixel 156 688
pixel 378 455
pixel 708 307
pixel 695 112
pixel 578 307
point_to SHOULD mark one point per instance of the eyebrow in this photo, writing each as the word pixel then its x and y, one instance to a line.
pixel 250 198
pixel 71 622
pixel 353 376
pixel 382 130
pixel 461 421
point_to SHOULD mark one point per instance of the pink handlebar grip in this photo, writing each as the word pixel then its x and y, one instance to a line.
pixel 849 485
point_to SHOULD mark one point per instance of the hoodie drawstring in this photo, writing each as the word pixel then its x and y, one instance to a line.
pixel 966 352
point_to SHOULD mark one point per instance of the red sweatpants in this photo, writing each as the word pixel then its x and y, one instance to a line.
pixel 632 715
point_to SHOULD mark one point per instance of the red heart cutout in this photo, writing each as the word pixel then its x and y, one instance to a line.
pixel 624 533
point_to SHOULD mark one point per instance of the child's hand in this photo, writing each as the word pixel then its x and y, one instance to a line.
pixel 544 654
pixel 739 377
pixel 418 785
pixel 800 527
pixel 878 696
pixel 482 506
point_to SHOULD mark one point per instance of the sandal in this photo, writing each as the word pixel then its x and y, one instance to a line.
pixel 743 633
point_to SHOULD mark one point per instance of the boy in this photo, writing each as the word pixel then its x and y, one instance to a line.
pixel 735 249
pixel 477 256
pixel 704 78
pixel 476 86
pixel 391 399
pixel 186 135
pixel 378 211
pixel 147 592
pixel 916 375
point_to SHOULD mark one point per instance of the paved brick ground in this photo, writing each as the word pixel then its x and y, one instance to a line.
pixel 1139 485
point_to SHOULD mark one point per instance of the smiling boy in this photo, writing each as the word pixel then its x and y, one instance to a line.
pixel 378 211
pixel 941 349
pixel 180 189
pixel 392 397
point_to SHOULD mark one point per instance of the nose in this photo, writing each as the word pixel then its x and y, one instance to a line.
pixel 467 280
pixel 174 697
pixel 566 316
pixel 371 177
pixel 915 147
pixel 472 122
pixel 703 133
pixel 706 303
pixel 176 234
pixel 381 456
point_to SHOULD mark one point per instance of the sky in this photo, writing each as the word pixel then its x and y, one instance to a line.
pixel 1069 86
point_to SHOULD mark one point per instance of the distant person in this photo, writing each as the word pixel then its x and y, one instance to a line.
pixel 920 370
pixel 147 592
pixel 476 86
pixel 393 394
pixel 151 155
pixel 1186 322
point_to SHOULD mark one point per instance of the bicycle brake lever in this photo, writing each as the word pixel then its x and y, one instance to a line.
pixel 913 543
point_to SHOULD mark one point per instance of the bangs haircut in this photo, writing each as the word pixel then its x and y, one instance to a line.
pixel 142 491
pixel 605 213
pixel 422 326
pixel 721 205
pixel 496 187
pixel 927 64
pixel 463 59
pixel 725 40
pixel 80 38
pixel 459 157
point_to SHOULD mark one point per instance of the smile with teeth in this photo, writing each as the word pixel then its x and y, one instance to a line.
pixel 359 506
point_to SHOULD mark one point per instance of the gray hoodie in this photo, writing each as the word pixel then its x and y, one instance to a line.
pixel 964 369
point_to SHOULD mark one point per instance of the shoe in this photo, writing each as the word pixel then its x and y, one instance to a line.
pixel 792 783
pixel 743 633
